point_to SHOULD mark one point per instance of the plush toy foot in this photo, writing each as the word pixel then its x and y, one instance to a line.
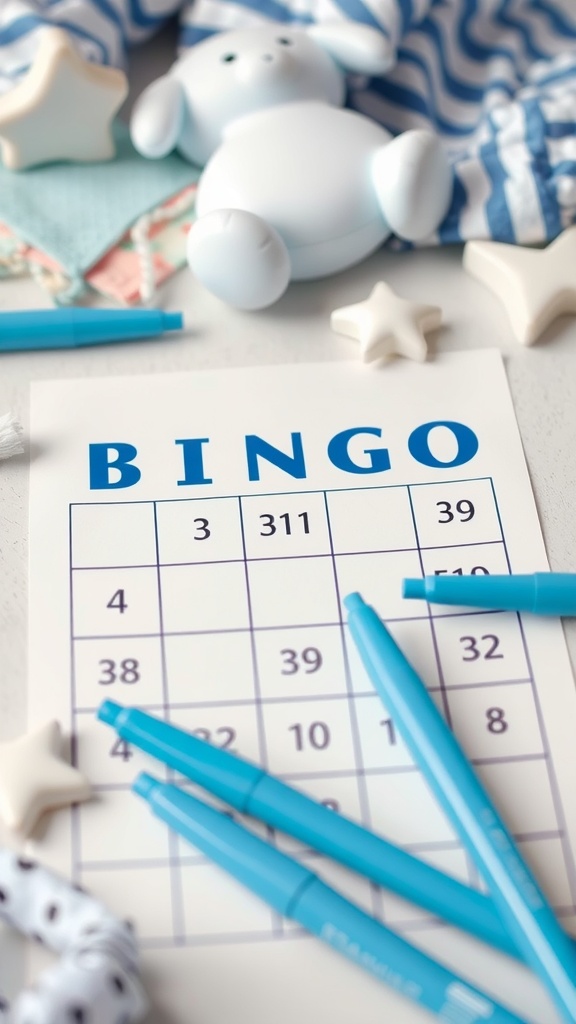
pixel 413 181
pixel 239 257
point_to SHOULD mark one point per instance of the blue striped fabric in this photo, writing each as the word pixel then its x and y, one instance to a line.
pixel 103 30
pixel 495 78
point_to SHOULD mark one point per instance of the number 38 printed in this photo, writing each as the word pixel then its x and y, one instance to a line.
pixel 125 671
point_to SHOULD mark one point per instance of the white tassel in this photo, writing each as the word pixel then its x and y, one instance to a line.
pixel 10 436
pixel 140 235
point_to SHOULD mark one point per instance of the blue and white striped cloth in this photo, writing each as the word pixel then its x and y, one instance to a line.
pixel 495 78
pixel 102 30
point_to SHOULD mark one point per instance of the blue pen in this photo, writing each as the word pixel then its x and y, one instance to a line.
pixel 298 893
pixel 73 328
pixel 516 894
pixel 543 593
pixel 250 790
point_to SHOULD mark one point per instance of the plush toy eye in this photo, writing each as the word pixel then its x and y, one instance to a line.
pixel 228 57
pixel 284 42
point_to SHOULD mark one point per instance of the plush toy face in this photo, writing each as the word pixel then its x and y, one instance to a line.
pixel 237 73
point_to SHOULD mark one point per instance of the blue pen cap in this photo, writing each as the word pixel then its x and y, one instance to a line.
pixel 94 326
pixel 224 775
pixel 72 327
pixel 543 593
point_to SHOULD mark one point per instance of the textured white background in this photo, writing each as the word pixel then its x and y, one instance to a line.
pixel 542 380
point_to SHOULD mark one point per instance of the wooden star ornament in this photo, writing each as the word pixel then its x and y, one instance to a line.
pixel 62 108
pixel 387 325
pixel 535 285
pixel 34 778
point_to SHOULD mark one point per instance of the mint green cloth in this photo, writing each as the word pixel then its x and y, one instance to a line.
pixel 76 212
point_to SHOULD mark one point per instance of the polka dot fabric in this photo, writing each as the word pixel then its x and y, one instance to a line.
pixel 97 979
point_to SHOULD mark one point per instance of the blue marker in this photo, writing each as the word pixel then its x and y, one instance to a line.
pixel 543 593
pixel 296 892
pixel 516 894
pixel 74 328
pixel 250 790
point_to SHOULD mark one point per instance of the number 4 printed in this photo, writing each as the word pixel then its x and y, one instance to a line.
pixel 118 601
pixel 121 749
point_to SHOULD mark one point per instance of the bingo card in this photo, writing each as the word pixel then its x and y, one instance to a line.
pixel 192 537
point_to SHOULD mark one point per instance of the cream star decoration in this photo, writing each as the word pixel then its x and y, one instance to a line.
pixel 386 325
pixel 535 285
pixel 34 778
pixel 61 109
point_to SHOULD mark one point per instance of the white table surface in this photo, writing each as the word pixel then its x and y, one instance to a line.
pixel 297 329
pixel 542 381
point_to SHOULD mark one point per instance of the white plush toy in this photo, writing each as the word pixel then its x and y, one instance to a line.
pixel 294 186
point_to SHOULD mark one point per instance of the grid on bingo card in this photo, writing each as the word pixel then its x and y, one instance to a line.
pixel 259 659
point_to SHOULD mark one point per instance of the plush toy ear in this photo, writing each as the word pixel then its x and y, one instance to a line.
pixel 157 117
pixel 357 48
